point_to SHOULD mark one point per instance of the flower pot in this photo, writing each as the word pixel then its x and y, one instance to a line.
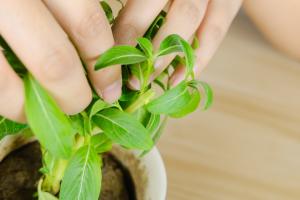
pixel 147 173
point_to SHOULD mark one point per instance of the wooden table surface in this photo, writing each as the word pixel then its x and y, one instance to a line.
pixel 247 146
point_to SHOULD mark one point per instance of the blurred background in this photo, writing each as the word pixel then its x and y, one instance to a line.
pixel 247 146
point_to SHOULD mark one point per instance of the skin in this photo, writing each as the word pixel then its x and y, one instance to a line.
pixel 208 20
pixel 51 36
pixel 281 30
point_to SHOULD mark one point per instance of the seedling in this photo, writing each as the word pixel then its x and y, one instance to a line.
pixel 72 145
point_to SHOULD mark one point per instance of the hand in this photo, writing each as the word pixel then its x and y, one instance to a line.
pixel 40 33
pixel 209 20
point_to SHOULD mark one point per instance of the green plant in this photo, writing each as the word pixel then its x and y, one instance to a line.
pixel 72 145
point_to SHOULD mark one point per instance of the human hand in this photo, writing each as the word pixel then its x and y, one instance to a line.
pixel 40 33
pixel 209 20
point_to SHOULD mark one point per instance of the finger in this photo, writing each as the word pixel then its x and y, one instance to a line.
pixel 183 18
pixel 135 18
pixel 46 51
pixel 86 24
pixel 210 34
pixel 11 90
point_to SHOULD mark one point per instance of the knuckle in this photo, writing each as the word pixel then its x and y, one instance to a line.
pixel 92 23
pixel 126 34
pixel 192 10
pixel 56 64
pixel 216 31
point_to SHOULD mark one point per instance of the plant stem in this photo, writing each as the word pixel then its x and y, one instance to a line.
pixel 52 181
pixel 140 101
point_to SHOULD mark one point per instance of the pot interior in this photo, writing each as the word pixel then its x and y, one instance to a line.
pixel 123 178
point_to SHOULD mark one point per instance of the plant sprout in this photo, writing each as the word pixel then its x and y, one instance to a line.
pixel 72 145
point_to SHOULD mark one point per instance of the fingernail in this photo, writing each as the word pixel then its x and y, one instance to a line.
pixel 134 83
pixel 112 92
pixel 159 63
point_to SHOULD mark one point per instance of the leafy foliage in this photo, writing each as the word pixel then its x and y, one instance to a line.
pixel 44 195
pixel 172 101
pixel 146 46
pixel 174 44
pixel 11 57
pixel 108 11
pixel 120 55
pixel 207 91
pixel 123 129
pixel 50 125
pixel 155 26
pixel 82 178
pixel 190 106
pixel 8 127
pixel 72 145
pixel 101 143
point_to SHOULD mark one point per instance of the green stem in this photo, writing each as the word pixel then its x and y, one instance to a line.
pixel 147 75
pixel 52 181
pixel 140 101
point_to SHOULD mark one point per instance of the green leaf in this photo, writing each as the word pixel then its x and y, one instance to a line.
pixel 101 143
pixel 172 101
pixel 149 120
pixel 160 84
pixel 123 129
pixel 177 61
pixel 208 100
pixel 157 134
pixel 12 58
pixel 123 55
pixel 48 162
pixel 153 123
pixel 108 12
pixel 128 95
pixel 160 130
pixel 8 127
pixel 161 79
pixel 142 99
pixel 98 106
pixel 82 179
pixel 139 71
pixel 190 107
pixel 142 115
pixel 155 26
pixel 174 43
pixel 78 123
pixel 146 46
pixel 44 195
pixel 49 124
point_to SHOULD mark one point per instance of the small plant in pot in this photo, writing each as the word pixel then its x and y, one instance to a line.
pixel 74 154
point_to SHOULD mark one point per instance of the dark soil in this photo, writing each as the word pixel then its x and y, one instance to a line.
pixel 19 174
pixel 116 181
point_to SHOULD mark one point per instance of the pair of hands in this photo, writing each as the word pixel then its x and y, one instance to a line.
pixel 51 36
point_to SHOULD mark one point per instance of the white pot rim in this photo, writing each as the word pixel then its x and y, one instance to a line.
pixel 157 176
pixel 152 164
